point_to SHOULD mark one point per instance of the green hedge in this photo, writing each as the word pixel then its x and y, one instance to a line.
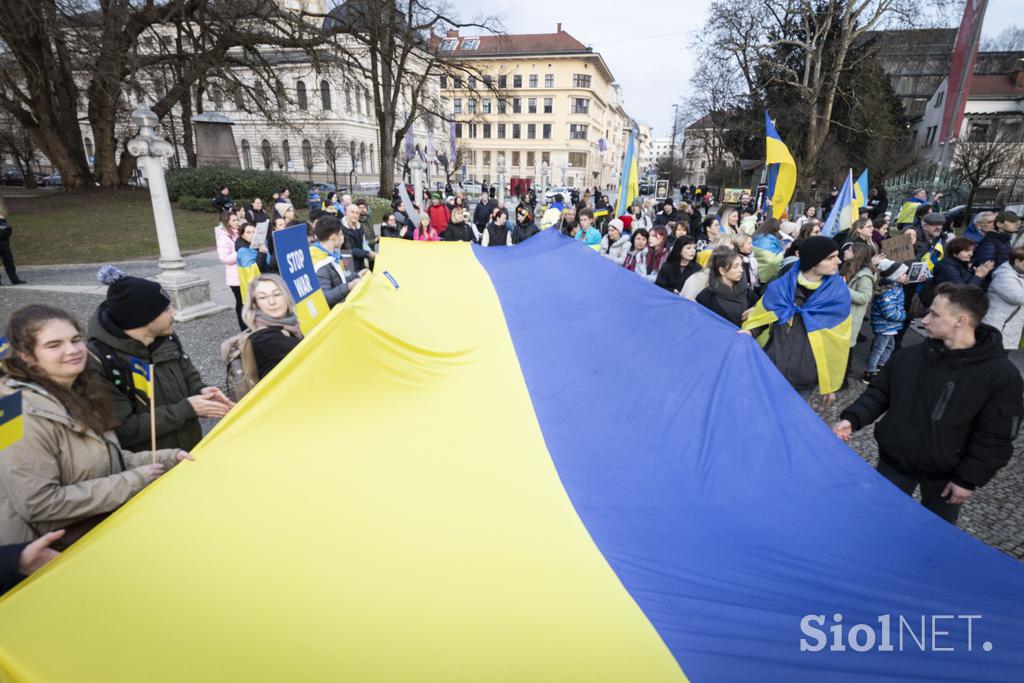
pixel 378 207
pixel 203 183
pixel 187 201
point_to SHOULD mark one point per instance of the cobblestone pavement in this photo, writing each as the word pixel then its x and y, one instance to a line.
pixel 995 514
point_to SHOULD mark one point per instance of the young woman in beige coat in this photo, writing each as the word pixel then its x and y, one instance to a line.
pixel 68 471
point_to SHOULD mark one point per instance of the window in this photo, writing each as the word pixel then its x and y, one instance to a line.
pixel 549 105
pixel 531 159
pixel 307 155
pixel 531 105
pixel 546 131
pixel 266 153
pixel 485 105
pixel 577 159
pixel 502 81
pixel 300 95
pixel 938 100
pixel 458 130
pixel 246 155
pixel 325 95
pixel 286 155
pixel 488 81
pixel 472 130
pixel 218 97
pixel 930 138
pixel 545 158
pixel 472 82
pixel 517 105
pixel 515 159
pixel 979 133
pixel 471 105
pixel 549 80
pixel 502 105
pixel 470 44
pixel 330 154
pixel 348 97
pixel 580 81
pixel 501 130
pixel 444 82
pixel 457 82
pixel 577 131
pixel 470 157
pixel 449 44
pixel 517 81
pixel 487 158
pixel 533 80
pixel 516 131
pixel 240 97
pixel 487 131
pixel 531 131
pixel 458 105
pixel 580 105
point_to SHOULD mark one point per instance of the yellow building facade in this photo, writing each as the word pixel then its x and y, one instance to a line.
pixel 545 104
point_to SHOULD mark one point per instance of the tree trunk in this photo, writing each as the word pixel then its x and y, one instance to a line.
pixel 387 156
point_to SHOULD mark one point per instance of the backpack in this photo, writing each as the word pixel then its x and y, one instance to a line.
pixel 240 365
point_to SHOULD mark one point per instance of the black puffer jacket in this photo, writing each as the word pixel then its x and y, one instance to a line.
pixel 948 415
pixel 458 232
pixel 524 231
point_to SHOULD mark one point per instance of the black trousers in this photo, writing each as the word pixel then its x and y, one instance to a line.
pixel 931 491
pixel 236 290
pixel 8 258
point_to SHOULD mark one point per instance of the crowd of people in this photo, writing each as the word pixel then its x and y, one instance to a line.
pixel 947 409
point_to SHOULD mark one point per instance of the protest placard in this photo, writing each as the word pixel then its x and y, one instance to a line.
pixel 296 265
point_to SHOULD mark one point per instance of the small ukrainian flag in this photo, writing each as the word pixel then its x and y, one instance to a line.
pixel 11 422
pixel 142 376
pixel 5 347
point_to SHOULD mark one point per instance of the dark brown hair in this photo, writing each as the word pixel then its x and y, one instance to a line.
pixel 87 400
pixel 969 299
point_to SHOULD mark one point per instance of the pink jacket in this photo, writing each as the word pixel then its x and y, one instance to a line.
pixel 227 254
pixel 425 236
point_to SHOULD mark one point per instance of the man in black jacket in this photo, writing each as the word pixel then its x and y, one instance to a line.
pixel 5 251
pixel 952 405
pixel 482 211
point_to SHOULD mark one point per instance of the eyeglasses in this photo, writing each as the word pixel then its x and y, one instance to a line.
pixel 276 294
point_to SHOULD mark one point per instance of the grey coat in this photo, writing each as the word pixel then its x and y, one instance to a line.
pixel 1006 304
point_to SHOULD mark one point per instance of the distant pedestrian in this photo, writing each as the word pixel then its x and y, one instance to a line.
pixel 223 200
pixel 5 251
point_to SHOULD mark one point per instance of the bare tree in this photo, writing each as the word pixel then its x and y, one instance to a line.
pixel 17 142
pixel 1010 39
pixel 803 45
pixel 978 161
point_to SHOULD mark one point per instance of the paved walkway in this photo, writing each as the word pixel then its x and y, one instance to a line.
pixel 995 514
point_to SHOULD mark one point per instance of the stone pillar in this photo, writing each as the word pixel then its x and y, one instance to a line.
pixel 416 166
pixel 189 294
pixel 501 179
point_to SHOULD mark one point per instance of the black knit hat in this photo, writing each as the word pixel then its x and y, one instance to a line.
pixel 814 250
pixel 132 301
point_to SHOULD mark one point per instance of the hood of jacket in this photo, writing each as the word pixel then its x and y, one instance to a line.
pixel 988 346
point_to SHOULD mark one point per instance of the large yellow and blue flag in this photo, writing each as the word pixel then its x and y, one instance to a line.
pixel 825 315
pixel 781 169
pixel 629 180
pixel 5 347
pixel 142 375
pixel 842 215
pixel 860 192
pixel 12 426
pixel 532 543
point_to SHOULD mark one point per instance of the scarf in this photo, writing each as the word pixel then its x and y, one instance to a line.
pixel 733 300
pixel 290 323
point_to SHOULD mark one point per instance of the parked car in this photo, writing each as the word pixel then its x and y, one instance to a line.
pixel 52 180
pixel 956 217
pixel 471 189
pixel 12 176
pixel 564 191
pixel 317 192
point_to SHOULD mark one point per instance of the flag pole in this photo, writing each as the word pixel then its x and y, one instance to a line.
pixel 152 412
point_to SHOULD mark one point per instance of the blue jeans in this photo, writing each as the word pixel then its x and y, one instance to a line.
pixel 882 347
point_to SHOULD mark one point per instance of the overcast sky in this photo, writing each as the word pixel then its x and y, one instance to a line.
pixel 649 53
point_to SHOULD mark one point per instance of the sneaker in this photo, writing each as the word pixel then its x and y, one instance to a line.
pixel 868 376
pixel 18 282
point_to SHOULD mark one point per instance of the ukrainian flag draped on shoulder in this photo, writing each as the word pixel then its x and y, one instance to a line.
pixel 781 169
pixel 826 317
pixel 629 181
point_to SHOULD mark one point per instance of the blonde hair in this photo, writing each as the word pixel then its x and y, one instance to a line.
pixel 250 309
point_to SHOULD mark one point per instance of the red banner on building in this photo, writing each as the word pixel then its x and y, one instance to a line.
pixel 962 68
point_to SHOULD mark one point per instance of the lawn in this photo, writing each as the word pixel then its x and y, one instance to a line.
pixel 94 226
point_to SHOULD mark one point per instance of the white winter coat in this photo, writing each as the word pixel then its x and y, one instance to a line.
pixel 1006 304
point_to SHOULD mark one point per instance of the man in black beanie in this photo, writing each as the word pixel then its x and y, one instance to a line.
pixel 137 320
pixel 816 297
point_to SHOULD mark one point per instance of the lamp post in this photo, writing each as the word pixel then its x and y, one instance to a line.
pixel 189 294
pixel 416 166
pixel 501 179
pixel 544 171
